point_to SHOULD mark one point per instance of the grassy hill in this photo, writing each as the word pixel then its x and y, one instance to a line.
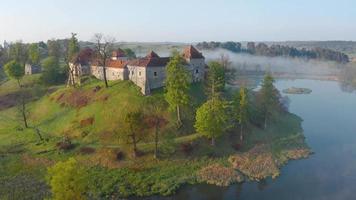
pixel 91 116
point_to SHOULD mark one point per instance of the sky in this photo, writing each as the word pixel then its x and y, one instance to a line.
pixel 179 20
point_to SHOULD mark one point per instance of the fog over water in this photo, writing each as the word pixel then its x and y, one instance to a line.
pixel 293 66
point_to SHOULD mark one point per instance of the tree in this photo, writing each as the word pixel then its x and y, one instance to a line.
pixel 51 73
pixel 269 97
pixel 212 119
pixel 73 46
pixel 18 52
pixel 34 54
pixel 242 116
pixel 72 51
pixel 103 49
pixel 16 71
pixel 134 128
pixel 67 180
pixel 54 49
pixel 155 119
pixel 177 85
pixel 129 53
pixel 216 79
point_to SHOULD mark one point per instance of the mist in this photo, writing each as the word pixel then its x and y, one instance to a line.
pixel 276 65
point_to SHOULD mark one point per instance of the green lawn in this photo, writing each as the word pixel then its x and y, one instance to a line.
pixel 60 111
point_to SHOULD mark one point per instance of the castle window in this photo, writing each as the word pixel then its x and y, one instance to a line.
pixel 132 72
pixel 139 73
pixel 196 71
pixel 154 73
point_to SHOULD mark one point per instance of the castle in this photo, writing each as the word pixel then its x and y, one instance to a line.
pixel 147 73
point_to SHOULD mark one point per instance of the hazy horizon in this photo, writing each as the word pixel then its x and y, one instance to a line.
pixel 179 21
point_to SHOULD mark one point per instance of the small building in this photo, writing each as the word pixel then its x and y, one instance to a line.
pixel 32 69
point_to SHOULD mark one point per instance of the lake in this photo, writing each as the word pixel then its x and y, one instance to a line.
pixel 329 125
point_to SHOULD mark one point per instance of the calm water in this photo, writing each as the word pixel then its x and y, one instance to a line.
pixel 330 128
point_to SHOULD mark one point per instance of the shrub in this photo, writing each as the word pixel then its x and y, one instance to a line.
pixel 67 180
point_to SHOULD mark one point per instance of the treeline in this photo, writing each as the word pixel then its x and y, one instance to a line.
pixel 263 49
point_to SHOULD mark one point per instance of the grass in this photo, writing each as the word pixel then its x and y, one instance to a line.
pixel 61 113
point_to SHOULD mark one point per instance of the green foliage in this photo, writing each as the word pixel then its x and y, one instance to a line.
pixel 51 73
pixel 67 180
pixel 34 54
pixel 212 119
pixel 177 84
pixel 54 49
pixel 73 46
pixel 216 79
pixel 269 97
pixel 18 52
pixel 129 53
pixel 14 70
pixel 243 107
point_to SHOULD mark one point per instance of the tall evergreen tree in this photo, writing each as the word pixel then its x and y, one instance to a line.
pixel 216 79
pixel 177 85
pixel 269 98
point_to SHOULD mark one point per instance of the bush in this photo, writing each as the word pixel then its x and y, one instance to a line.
pixel 68 180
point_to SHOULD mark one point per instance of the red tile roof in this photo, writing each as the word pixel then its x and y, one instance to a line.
pixel 191 52
pixel 151 60
pixel 111 63
pixel 116 63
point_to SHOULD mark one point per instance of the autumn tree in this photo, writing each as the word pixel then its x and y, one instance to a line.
pixel 67 180
pixel 177 85
pixel 103 50
pixel 212 119
pixel 134 128
pixel 216 79
pixel 269 100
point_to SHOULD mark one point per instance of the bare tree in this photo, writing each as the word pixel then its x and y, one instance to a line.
pixel 103 48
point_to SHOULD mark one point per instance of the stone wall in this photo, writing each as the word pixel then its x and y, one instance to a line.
pixel 197 69
pixel 156 77
pixel 137 75
pixel 111 73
